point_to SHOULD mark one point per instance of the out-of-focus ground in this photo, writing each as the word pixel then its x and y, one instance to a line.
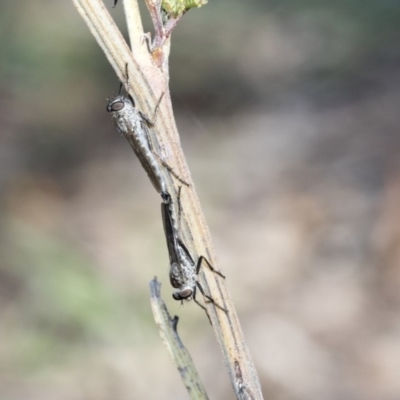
pixel 289 114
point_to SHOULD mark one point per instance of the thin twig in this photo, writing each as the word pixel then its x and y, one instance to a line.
pixel 169 334
pixel 146 84
pixel 135 28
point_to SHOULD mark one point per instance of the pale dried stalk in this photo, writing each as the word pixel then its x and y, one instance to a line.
pixel 146 84
pixel 167 327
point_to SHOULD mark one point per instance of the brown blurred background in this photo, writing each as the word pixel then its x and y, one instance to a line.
pixel 289 117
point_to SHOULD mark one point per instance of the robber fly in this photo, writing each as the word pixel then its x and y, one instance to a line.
pixel 137 128
pixel 134 125
pixel 184 271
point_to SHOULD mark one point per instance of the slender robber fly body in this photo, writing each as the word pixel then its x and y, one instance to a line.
pixel 134 125
pixel 139 131
pixel 184 271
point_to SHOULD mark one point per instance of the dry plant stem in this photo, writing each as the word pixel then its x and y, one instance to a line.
pixel 146 83
pixel 134 24
pixel 167 327
pixel 160 46
pixel 141 69
pixel 154 7
pixel 162 33
pixel 172 23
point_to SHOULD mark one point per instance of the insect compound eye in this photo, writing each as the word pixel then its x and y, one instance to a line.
pixel 176 296
pixel 183 294
pixel 115 106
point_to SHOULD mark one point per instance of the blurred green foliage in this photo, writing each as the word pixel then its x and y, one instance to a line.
pixel 175 8
pixel 61 301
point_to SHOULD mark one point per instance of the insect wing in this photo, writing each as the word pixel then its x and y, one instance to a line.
pixel 170 234
pixel 185 251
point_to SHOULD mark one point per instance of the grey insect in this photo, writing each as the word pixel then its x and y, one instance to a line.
pixel 134 125
pixel 139 131
pixel 184 271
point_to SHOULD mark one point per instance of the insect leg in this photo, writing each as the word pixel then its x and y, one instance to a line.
pixel 201 258
pixel 165 164
pixel 178 200
pixel 201 306
pixel 151 124
pixel 210 299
